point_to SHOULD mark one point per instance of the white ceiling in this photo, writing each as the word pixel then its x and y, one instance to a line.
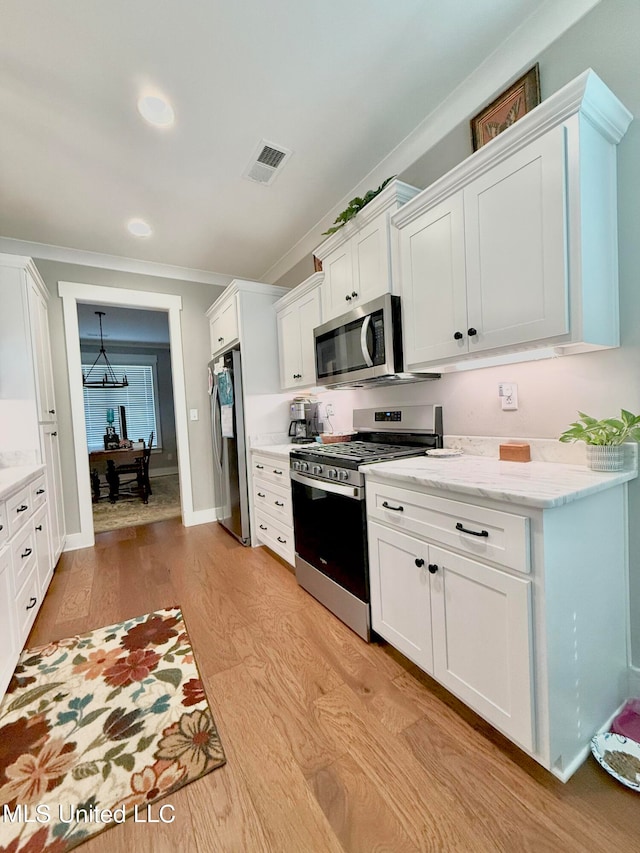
pixel 340 82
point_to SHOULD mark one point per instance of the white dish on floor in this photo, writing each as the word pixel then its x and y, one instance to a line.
pixel 444 452
pixel 620 756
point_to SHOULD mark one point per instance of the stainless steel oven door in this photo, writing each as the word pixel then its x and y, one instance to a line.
pixel 330 526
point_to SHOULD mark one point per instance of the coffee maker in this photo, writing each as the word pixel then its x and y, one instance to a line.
pixel 304 425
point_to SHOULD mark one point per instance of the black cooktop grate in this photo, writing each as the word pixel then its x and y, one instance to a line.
pixel 361 451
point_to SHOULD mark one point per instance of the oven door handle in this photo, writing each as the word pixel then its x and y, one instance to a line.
pixel 363 341
pixel 353 492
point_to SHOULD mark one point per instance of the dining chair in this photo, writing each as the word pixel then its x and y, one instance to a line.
pixel 140 467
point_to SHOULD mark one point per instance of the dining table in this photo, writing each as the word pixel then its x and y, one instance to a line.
pixel 107 462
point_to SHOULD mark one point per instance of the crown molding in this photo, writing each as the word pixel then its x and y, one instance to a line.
pixel 507 62
pixel 586 95
pixel 299 290
pixel 62 254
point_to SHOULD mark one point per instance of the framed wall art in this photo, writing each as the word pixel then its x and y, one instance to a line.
pixel 516 101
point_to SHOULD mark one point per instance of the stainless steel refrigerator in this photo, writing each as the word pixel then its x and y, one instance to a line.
pixel 229 448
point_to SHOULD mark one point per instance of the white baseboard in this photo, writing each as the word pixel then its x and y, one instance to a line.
pixel 75 541
pixel 200 516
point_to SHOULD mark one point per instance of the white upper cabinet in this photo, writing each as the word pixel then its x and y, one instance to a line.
pixel 356 259
pixel 223 324
pixel 514 250
pixel 298 313
pixel 39 314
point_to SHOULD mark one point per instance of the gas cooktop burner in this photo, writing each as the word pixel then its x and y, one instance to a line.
pixel 362 451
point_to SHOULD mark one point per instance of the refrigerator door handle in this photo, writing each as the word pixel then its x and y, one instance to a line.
pixel 216 424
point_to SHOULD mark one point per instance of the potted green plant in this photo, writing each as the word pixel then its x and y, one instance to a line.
pixel 604 438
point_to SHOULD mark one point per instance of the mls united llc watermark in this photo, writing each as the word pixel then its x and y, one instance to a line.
pixel 42 813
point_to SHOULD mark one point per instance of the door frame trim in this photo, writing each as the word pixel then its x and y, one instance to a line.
pixel 73 292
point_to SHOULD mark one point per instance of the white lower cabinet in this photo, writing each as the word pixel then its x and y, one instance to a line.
pixel 271 500
pixel 465 623
pixel 504 604
pixel 8 628
pixel 26 567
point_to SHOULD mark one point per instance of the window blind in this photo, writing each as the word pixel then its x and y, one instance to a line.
pixel 138 399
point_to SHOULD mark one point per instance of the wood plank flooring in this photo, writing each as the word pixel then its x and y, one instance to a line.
pixel 332 744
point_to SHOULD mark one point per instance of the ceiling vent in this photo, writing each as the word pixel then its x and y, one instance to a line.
pixel 267 162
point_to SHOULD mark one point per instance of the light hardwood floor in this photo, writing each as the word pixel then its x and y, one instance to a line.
pixel 332 744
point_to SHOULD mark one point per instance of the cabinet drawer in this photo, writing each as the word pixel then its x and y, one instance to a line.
pixel 488 534
pixel 24 555
pixel 271 470
pixel 38 492
pixel 274 501
pixel 19 509
pixel 275 535
pixel 27 605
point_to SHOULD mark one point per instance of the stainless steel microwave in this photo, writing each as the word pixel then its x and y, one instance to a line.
pixel 363 347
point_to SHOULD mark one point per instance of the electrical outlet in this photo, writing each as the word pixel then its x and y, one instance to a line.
pixel 193 414
pixel 329 410
pixel 508 393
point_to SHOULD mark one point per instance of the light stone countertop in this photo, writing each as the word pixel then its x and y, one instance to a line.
pixel 535 484
pixel 277 451
pixel 12 479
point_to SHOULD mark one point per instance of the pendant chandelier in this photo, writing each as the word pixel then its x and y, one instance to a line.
pixel 109 378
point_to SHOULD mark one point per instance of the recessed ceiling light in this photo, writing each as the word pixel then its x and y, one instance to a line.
pixel 139 228
pixel 156 110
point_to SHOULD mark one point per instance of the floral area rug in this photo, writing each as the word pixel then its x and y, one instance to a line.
pixel 98 727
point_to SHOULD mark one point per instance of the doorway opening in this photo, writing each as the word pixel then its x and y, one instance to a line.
pixel 130 429
pixel 73 293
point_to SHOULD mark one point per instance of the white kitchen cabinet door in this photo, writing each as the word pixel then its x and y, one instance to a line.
pixel 43 549
pixel 309 316
pixel 296 344
pixel 338 281
pixel 370 260
pixel 39 320
pixel 515 229
pixel 482 641
pixel 289 342
pixel 8 628
pixel 55 503
pixel 400 593
pixel 434 291
pixel 223 326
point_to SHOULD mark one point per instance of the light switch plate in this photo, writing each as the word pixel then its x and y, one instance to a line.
pixel 193 414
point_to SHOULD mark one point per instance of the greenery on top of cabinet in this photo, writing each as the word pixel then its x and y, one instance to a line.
pixel 355 206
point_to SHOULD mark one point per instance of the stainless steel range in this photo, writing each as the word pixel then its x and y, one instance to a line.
pixel 329 512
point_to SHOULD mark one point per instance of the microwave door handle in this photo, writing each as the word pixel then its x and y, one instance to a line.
pixel 363 341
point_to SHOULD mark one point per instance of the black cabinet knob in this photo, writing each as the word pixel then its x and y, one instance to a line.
pixel 471 332
pixel 39 527
pixel 458 336
pixel 52 411
pixel 433 568
pixel 348 298
pixel 54 433
pixel 354 294
pixel 419 562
